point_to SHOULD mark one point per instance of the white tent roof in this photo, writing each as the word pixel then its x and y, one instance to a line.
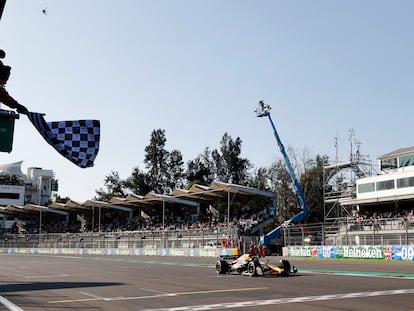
pixel 12 168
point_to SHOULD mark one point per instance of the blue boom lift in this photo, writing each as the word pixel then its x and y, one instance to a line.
pixel 264 111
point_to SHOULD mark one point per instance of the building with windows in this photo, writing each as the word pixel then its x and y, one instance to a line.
pixel 16 188
pixel 392 188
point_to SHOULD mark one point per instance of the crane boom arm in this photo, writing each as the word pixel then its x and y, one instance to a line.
pixel 264 111
pixel 289 167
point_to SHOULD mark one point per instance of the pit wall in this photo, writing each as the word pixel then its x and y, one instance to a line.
pixel 391 252
pixel 182 252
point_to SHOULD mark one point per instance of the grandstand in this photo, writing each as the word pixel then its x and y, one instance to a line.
pixel 381 208
pixel 381 211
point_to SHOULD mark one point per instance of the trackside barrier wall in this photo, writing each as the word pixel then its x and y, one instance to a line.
pixel 183 252
pixel 390 252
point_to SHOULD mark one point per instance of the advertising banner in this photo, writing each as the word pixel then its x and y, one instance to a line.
pixel 392 252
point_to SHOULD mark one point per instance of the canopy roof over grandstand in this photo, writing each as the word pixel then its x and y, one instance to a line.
pixel 193 196
pixel 14 209
pixel 59 206
pixel 31 208
pixel 221 190
pixel 63 208
pixel 73 205
pixel 12 169
pixel 126 201
pixel 242 190
pixel 100 204
pixel 154 199
pixel 87 206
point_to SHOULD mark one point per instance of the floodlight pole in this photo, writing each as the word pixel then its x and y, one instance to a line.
pixel 163 214
pixel 228 213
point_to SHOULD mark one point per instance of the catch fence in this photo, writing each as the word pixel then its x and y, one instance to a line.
pixel 339 232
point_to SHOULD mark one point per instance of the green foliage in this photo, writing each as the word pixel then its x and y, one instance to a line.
pixel 165 172
pixel 156 159
pixel 230 167
pixel 312 181
pixel 259 179
pixel 201 169
pixel 175 173
pixel 281 184
pixel 60 199
pixel 138 183
pixel 114 187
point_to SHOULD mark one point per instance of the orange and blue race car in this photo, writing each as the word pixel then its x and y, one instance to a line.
pixel 253 266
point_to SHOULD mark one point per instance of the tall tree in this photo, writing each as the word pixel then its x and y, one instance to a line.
pixel 281 184
pixel 175 171
pixel 230 167
pixel 259 179
pixel 201 169
pixel 156 161
pixel 138 182
pixel 312 181
pixel 114 187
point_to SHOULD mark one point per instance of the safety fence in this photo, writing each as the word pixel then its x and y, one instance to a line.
pixel 349 231
pixel 193 238
pixel 335 232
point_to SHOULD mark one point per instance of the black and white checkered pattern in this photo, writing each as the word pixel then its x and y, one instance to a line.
pixel 78 141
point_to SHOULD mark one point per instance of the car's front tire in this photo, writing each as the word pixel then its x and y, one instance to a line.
pixel 222 267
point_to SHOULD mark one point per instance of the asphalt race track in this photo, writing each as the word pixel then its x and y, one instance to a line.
pixel 47 282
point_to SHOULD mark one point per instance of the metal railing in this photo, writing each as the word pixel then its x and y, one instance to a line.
pixel 340 231
pixel 193 238
pixel 350 231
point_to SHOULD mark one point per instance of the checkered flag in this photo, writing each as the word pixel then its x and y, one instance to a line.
pixel 78 141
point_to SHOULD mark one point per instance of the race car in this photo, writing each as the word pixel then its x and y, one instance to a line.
pixel 252 266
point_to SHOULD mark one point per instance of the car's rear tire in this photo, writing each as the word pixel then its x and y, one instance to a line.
pixel 286 267
pixel 222 267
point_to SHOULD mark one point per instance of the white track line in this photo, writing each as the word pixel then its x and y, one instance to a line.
pixel 9 305
pixel 255 303
pixel 43 276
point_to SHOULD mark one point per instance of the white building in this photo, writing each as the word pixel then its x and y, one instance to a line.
pixel 393 187
pixel 19 189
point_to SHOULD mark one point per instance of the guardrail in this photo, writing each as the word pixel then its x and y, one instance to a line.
pixel 126 239
pixel 341 231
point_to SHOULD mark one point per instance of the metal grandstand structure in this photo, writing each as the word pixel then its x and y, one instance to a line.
pixel 339 179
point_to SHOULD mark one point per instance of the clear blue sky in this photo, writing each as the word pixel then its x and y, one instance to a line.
pixel 197 69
